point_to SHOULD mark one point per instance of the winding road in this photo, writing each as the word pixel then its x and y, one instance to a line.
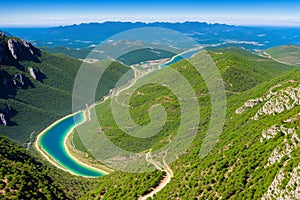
pixel 162 167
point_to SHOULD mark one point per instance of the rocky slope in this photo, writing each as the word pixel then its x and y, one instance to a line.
pixel 13 50
pixel 281 98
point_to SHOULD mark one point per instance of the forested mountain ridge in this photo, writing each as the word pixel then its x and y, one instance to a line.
pixel 36 87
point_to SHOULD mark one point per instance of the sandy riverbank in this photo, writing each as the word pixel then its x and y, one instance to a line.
pixel 54 162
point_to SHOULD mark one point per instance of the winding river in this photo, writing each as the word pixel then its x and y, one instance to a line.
pixel 51 142
pixel 184 55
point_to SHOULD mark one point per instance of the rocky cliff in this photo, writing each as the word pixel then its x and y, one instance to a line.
pixel 13 50
pixel 13 75
pixel 281 98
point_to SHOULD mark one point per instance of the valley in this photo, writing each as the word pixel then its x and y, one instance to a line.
pixel 240 92
pixel 52 144
pixel 88 152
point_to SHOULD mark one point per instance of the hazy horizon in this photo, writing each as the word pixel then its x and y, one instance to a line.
pixel 33 13
pixel 147 22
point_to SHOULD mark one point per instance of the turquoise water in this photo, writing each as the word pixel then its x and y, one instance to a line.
pixel 179 57
pixel 52 142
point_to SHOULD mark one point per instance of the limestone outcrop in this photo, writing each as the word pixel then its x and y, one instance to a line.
pixel 14 48
pixel 280 98
pixel 292 189
pixel 28 46
pixel 3 119
pixel 32 73
pixel 18 50
pixel 274 102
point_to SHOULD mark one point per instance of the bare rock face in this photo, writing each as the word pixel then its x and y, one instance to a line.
pixel 292 189
pixel 288 145
pixel 3 119
pixel 279 98
pixel 2 34
pixel 28 46
pixel 21 79
pixel 5 113
pixel 14 48
pixel 276 101
pixel 32 73
pixel 249 104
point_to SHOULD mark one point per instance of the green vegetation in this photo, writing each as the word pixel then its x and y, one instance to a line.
pixel 74 53
pixel 118 185
pixel 235 169
pixel 144 54
pixel 41 102
pixel 23 176
pixel 242 70
pixel 132 57
pixel 287 54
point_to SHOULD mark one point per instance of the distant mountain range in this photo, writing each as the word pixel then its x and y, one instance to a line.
pixel 91 34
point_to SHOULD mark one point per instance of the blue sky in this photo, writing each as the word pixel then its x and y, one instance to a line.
pixel 32 13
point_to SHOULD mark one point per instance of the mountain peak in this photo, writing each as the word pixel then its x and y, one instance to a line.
pixel 13 50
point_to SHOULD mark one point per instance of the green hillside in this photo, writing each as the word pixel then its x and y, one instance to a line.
pixel 242 70
pixel 35 102
pixel 23 176
pixel 143 53
pixel 74 53
pixel 243 164
pixel 237 167
pixel 287 54
pixel 259 143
